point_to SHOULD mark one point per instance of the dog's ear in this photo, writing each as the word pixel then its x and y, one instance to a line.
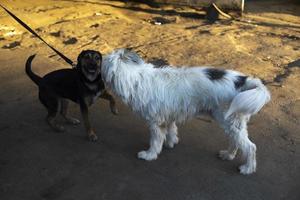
pixel 79 58
pixel 99 55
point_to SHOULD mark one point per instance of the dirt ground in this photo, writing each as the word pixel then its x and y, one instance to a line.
pixel 37 163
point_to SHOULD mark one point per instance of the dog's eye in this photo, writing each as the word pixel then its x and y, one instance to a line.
pixel 97 57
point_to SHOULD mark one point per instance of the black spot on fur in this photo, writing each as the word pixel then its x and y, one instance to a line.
pixel 215 74
pixel 240 81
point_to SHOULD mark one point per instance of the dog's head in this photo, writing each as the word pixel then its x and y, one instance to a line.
pixel 89 63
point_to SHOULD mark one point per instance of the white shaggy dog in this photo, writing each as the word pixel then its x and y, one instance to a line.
pixel 166 96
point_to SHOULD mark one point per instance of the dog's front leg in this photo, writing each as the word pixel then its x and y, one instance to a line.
pixel 157 137
pixel 85 116
pixel 111 100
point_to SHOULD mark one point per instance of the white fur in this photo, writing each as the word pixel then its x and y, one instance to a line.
pixel 169 95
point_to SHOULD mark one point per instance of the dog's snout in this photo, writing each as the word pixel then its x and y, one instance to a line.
pixel 95 65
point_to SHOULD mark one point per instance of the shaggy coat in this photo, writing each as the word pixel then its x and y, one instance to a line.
pixel 166 96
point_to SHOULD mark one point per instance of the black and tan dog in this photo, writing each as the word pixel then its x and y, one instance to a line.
pixel 82 85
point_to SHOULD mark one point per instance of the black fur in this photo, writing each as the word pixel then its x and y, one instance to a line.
pixel 215 74
pixel 81 85
pixel 240 81
pixel 36 79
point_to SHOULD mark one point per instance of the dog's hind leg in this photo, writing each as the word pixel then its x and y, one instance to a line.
pixel 64 111
pixel 51 121
pixel 230 152
pixel 52 103
pixel 238 135
pixel 157 137
pixel 171 137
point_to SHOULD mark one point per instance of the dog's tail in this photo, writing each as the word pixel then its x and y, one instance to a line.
pixel 253 96
pixel 35 78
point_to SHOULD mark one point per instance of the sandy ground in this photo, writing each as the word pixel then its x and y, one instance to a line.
pixel 37 163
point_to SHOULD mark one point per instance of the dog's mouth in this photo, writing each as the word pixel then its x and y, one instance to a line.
pixel 91 69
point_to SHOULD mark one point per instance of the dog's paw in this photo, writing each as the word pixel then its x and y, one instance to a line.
pixel 114 110
pixel 170 143
pixel 147 155
pixel 92 137
pixel 58 128
pixel 73 121
pixel 225 155
pixel 247 169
